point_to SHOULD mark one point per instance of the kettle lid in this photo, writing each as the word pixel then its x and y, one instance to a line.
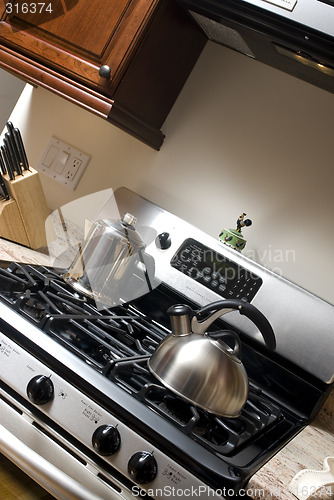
pixel 180 318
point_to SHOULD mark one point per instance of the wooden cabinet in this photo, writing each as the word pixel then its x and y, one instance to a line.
pixel 125 60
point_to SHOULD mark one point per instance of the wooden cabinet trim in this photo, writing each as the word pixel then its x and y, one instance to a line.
pixel 45 52
pixel 37 74
pixel 123 118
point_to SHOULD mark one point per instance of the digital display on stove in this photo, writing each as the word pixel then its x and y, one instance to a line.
pixel 215 271
pixel 328 2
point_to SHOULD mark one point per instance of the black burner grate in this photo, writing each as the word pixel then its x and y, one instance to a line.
pixel 220 434
pixel 117 342
pixel 98 336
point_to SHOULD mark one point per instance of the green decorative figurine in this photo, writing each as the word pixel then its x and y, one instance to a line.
pixel 233 237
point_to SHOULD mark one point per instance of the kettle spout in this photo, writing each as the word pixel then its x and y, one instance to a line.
pixel 180 318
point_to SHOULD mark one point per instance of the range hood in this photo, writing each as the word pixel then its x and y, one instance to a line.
pixel 295 36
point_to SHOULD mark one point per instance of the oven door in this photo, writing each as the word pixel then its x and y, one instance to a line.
pixel 49 459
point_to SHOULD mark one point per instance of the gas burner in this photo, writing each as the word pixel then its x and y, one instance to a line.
pixel 219 434
pixel 116 344
pixel 98 336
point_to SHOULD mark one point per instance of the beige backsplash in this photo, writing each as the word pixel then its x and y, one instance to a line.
pixel 242 137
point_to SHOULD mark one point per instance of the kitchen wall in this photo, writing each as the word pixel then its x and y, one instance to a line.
pixel 10 90
pixel 241 137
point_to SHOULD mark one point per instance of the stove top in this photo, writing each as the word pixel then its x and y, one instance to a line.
pixel 96 358
pixel 116 343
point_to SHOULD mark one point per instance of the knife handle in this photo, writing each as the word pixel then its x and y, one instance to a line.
pixel 7 162
pixel 21 149
pixel 2 166
pixel 3 189
pixel 10 127
pixel 12 154
pixel 13 148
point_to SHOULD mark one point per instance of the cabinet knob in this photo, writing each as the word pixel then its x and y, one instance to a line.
pixel 104 71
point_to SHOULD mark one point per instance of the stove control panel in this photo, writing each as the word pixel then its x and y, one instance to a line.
pixel 215 271
pixel 134 457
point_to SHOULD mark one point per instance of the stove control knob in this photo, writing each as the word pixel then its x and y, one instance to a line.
pixel 142 467
pixel 106 440
pixel 163 241
pixel 40 390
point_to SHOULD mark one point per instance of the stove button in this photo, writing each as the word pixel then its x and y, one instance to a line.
pixel 142 467
pixel 163 241
pixel 40 390
pixel 106 440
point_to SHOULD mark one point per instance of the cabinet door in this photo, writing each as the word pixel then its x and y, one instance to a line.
pixel 76 37
pixel 148 46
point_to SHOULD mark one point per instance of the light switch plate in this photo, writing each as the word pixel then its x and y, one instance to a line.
pixel 63 163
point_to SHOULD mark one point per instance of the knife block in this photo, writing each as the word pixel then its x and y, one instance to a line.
pixel 22 217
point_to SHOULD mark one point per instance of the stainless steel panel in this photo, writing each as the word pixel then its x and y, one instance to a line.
pixel 312 13
pixel 303 323
pixel 77 414
pixel 47 463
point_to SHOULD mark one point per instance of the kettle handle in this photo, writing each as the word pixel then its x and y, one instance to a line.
pixel 223 306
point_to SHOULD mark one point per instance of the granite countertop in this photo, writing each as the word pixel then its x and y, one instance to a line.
pixel 306 451
pixel 10 251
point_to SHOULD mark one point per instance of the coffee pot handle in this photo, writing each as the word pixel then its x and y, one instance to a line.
pixel 221 307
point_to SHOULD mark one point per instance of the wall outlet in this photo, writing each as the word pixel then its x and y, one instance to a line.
pixel 73 168
pixel 63 163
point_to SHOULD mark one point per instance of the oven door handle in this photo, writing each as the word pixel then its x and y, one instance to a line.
pixel 40 470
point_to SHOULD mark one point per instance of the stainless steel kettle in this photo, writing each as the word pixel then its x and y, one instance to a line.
pixel 110 267
pixel 202 368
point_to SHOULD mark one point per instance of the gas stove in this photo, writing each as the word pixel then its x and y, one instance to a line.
pixel 75 387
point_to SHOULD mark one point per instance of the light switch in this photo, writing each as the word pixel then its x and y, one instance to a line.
pixel 60 162
pixel 63 163
pixel 50 156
